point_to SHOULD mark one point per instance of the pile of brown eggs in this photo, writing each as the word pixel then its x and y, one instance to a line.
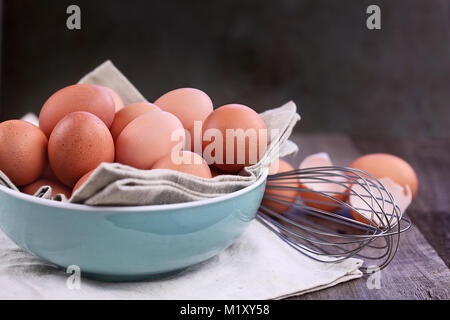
pixel 84 125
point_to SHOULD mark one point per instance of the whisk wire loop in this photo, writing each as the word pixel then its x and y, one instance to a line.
pixel 322 224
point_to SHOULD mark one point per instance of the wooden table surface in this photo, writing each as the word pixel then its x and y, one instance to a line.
pixel 420 269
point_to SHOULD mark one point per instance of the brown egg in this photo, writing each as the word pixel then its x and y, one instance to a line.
pixel 23 151
pixel 187 104
pixel 118 102
pixel 128 114
pixel 79 97
pixel 382 213
pixel 82 180
pixel 278 191
pixel 184 161
pixel 243 147
pixel 335 187
pixel 78 144
pixel 382 165
pixel 148 138
pixel 56 186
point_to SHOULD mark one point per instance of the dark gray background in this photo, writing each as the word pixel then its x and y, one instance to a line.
pixel 345 78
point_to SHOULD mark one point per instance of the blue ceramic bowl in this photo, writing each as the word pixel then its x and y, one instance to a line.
pixel 128 243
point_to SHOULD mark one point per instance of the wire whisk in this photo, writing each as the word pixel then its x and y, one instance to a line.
pixel 333 213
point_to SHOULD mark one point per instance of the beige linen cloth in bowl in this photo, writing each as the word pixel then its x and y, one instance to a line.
pixel 259 265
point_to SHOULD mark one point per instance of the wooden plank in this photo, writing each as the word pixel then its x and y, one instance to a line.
pixel 417 271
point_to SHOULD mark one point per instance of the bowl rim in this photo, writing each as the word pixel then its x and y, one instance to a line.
pixel 157 207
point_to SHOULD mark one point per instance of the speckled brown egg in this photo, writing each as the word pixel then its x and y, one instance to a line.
pixel 78 144
pixel 79 97
pixel 23 153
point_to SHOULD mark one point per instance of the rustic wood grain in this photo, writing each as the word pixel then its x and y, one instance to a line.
pixel 417 271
